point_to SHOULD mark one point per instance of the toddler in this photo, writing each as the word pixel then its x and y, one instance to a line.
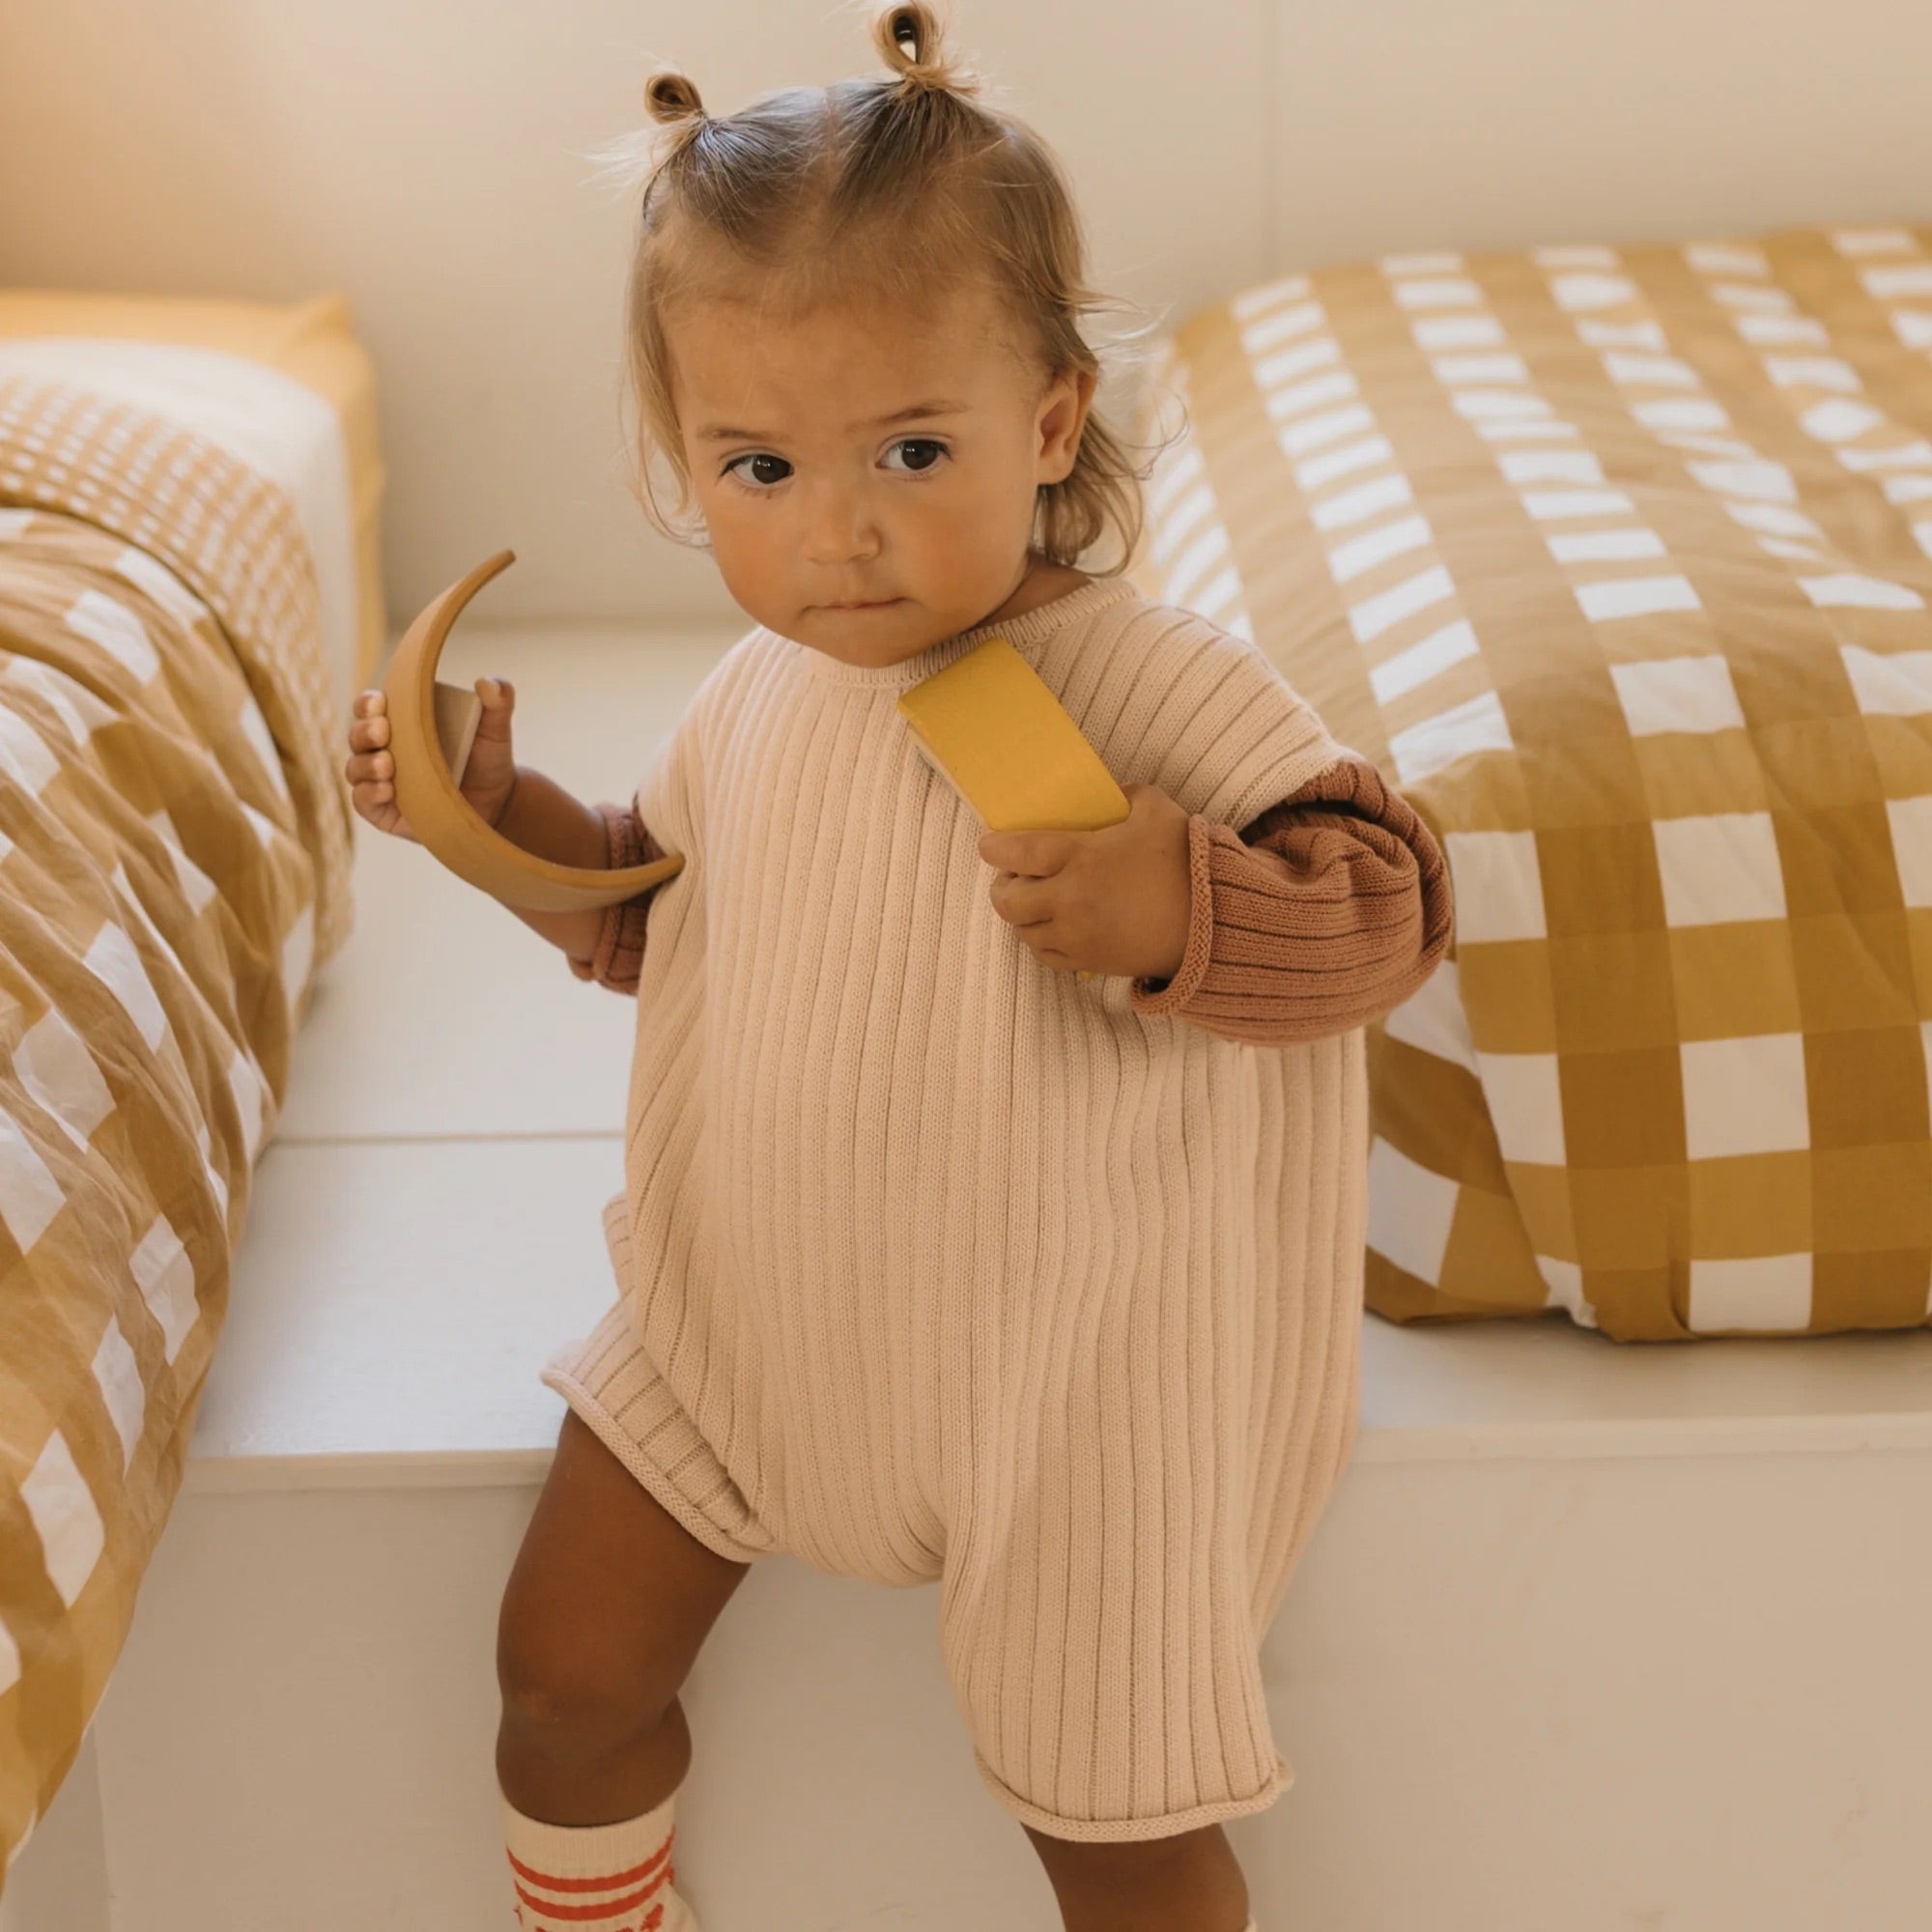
pixel 937 1260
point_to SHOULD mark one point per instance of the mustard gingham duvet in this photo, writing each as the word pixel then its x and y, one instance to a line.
pixel 174 866
pixel 1617 563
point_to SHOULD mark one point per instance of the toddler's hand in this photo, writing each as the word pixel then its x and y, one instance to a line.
pixel 1116 900
pixel 488 777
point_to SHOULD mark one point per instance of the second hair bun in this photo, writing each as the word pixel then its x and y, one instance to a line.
pixel 672 97
pixel 911 41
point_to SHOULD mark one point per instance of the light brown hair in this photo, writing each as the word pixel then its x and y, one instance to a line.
pixel 896 190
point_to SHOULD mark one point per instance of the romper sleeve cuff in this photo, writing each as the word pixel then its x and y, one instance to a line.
pixel 1332 907
pixel 617 959
pixel 1153 996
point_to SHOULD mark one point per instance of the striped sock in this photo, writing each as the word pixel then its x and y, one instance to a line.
pixel 596 1878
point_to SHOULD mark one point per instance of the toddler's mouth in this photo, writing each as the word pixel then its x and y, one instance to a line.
pixel 883 603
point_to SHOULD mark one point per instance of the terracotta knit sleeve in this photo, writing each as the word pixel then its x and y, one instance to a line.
pixel 1321 914
pixel 619 957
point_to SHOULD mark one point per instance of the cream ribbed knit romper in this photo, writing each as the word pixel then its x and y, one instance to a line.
pixel 940 1264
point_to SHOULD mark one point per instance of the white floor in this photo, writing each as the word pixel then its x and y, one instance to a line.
pixel 1593 1637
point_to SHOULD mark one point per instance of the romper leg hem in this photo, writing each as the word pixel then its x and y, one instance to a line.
pixel 613 1437
pixel 611 1383
pixel 1091 1831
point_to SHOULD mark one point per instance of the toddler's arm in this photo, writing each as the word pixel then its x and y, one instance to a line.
pixel 1325 911
pixel 529 810
pixel 617 956
pixel 604 944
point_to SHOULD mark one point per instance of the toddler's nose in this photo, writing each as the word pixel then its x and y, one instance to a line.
pixel 839 532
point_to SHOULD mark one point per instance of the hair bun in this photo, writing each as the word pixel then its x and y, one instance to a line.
pixel 672 97
pixel 909 37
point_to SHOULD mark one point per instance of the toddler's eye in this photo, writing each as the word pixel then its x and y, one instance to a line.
pixel 758 456
pixel 922 442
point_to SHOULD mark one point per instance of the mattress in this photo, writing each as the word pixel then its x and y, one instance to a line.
pixel 286 388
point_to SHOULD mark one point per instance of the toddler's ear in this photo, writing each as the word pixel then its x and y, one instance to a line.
pixel 1062 421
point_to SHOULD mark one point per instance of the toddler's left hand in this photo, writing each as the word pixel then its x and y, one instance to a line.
pixel 1116 900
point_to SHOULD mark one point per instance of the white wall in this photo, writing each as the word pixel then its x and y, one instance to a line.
pixel 423 155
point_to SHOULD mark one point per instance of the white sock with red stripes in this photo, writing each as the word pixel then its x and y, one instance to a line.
pixel 596 1878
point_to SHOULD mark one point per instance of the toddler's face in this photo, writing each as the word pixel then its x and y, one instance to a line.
pixel 813 499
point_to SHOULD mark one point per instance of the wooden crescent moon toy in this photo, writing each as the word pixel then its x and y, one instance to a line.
pixel 427 724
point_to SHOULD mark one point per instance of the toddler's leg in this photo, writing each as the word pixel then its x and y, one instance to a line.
pixel 607 1605
pixel 1188 1881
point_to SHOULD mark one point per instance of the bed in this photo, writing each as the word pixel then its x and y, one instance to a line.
pixel 190 591
pixel 1617 563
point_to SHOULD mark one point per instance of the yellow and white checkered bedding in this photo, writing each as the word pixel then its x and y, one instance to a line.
pixel 1618 563
pixel 175 842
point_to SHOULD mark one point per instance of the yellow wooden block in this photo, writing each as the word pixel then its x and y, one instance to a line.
pixel 990 726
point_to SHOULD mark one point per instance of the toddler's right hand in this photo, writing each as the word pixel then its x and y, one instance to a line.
pixel 488 777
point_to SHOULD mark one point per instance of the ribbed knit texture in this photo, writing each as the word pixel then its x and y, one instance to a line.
pixel 940 1264
pixel 1323 913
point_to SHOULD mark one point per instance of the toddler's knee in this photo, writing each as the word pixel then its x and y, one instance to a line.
pixel 1130 1862
pixel 564 1687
